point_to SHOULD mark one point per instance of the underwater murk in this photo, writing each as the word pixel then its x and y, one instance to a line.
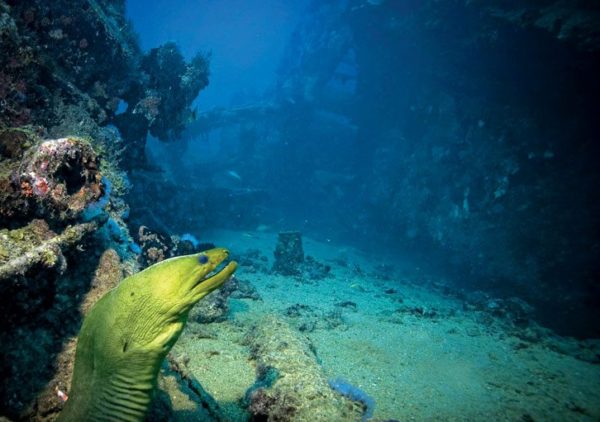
pixel 299 210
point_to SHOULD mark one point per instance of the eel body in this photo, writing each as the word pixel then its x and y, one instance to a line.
pixel 130 330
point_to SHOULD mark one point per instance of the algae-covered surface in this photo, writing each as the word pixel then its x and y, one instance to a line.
pixel 383 326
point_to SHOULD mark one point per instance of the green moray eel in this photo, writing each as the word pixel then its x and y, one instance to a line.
pixel 130 330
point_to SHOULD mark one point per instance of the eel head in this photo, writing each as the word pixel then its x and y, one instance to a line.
pixel 156 302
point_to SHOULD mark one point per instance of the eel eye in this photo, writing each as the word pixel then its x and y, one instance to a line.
pixel 203 259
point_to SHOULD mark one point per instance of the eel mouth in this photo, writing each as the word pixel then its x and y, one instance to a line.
pixel 225 269
pixel 218 268
pixel 221 270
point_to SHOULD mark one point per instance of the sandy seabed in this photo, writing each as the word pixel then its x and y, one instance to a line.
pixel 418 352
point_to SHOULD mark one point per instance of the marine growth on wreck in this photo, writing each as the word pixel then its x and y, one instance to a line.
pixel 407 192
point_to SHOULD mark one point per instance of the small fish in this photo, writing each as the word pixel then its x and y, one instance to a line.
pixel 262 228
pixel 234 174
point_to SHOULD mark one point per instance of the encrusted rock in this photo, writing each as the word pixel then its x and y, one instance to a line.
pixel 155 246
pixel 315 270
pixel 290 384
pixel 107 276
pixel 36 245
pixel 54 179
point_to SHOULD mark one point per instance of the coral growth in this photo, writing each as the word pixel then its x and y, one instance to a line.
pixel 160 102
pixel 86 59
pixel 54 179
pixel 91 60
pixel 24 249
pixel 64 69
pixel 155 246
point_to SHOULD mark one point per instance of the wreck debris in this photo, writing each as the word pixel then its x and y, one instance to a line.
pixel 289 254
pixel 18 260
pixel 291 384
pixel 160 101
pixel 62 53
pixel 54 179
pixel 575 22
pixel 39 289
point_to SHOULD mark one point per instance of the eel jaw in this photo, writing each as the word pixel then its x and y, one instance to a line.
pixel 213 280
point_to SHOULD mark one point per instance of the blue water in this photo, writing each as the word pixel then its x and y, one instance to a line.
pixel 449 132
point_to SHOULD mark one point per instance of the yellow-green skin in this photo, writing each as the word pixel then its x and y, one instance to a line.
pixel 130 330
